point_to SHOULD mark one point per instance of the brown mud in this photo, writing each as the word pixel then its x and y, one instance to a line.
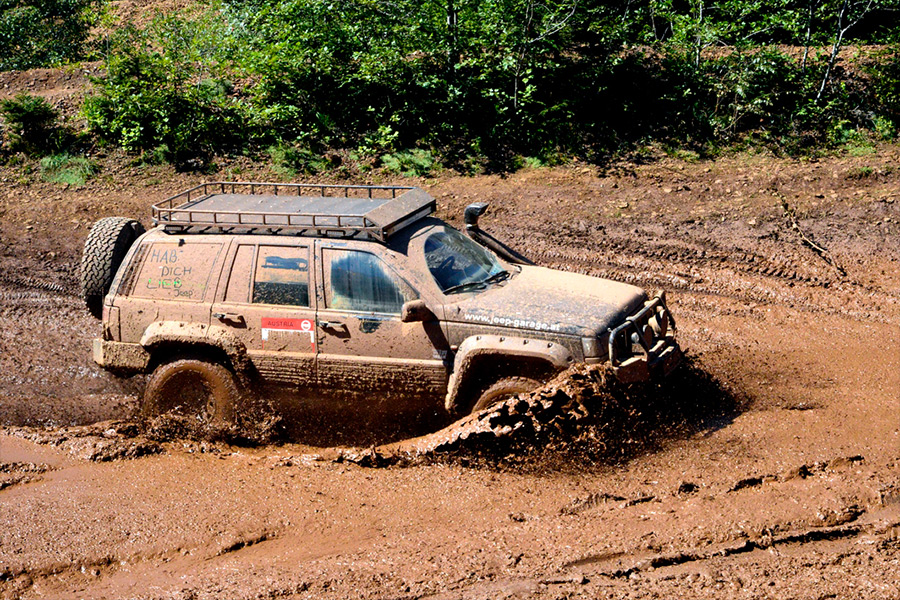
pixel 768 468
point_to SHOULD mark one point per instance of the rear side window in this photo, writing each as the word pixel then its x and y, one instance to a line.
pixel 282 276
pixel 176 271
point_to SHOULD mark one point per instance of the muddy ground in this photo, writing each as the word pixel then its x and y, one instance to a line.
pixel 779 480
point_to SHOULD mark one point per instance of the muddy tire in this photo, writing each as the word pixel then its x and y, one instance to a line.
pixel 504 389
pixel 202 393
pixel 105 248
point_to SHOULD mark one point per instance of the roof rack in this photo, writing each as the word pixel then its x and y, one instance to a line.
pixel 318 210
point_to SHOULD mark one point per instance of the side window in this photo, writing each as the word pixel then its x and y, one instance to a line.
pixel 361 281
pixel 176 271
pixel 282 276
pixel 238 289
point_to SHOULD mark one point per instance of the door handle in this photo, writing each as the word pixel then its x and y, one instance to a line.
pixel 331 325
pixel 233 317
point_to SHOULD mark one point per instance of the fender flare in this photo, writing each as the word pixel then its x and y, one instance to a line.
pixel 197 334
pixel 475 347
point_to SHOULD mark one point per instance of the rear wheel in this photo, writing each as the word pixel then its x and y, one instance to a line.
pixel 202 392
pixel 105 248
pixel 504 389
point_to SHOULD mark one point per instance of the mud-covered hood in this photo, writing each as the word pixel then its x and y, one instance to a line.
pixel 542 299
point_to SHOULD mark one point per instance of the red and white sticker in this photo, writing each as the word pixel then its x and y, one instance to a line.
pixel 270 324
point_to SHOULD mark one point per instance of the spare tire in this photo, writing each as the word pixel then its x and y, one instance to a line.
pixel 105 248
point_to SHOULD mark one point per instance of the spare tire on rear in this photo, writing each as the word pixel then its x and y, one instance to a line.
pixel 105 248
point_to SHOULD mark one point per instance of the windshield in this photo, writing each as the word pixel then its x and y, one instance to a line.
pixel 459 264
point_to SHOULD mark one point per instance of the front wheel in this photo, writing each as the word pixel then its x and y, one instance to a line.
pixel 504 389
pixel 201 392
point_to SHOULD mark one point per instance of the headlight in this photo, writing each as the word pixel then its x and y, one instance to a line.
pixel 591 347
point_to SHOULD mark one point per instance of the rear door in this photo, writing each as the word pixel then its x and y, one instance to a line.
pixel 363 345
pixel 265 300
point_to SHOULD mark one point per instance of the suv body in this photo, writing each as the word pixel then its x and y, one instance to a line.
pixel 362 289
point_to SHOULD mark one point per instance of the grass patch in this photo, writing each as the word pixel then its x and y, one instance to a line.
pixel 411 163
pixel 67 169
pixel 860 173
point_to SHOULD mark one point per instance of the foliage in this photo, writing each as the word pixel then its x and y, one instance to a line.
pixel 67 169
pixel 412 163
pixel 31 124
pixel 291 160
pixel 40 33
pixel 884 72
pixel 165 91
pixel 479 84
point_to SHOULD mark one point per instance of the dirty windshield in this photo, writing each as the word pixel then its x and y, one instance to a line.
pixel 459 264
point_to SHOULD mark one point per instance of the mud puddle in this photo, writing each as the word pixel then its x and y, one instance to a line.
pixel 99 442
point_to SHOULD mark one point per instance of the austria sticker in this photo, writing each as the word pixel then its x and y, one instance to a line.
pixel 289 326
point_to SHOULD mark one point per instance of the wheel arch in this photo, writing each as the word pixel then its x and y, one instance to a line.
pixel 483 358
pixel 168 340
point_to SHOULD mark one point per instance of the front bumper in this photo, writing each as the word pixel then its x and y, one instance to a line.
pixel 644 345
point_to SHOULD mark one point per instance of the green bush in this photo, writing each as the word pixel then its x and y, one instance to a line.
pixel 884 71
pixel 40 33
pixel 163 93
pixel 31 124
pixel 291 160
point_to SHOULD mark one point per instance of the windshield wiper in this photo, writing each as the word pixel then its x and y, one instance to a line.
pixel 499 276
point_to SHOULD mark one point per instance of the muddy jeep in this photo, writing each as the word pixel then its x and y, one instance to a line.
pixel 346 287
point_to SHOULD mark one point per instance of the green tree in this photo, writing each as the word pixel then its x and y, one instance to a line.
pixel 166 90
pixel 40 33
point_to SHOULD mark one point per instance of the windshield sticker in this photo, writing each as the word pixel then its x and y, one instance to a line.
pixel 270 325
pixel 510 322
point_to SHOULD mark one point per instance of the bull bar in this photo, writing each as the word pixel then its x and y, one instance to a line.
pixel 661 354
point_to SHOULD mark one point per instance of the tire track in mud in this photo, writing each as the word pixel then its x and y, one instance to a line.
pixel 28 282
pixel 746 262
pixel 824 468
pixel 18 473
pixel 877 518
pixel 659 561
pixel 708 269
pixel 100 442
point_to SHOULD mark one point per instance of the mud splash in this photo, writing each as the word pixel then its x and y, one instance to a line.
pixel 100 442
pixel 258 424
pixel 583 417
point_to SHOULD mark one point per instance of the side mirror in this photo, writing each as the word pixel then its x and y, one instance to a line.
pixel 415 311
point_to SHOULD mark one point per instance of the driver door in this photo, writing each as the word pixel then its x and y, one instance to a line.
pixel 363 344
